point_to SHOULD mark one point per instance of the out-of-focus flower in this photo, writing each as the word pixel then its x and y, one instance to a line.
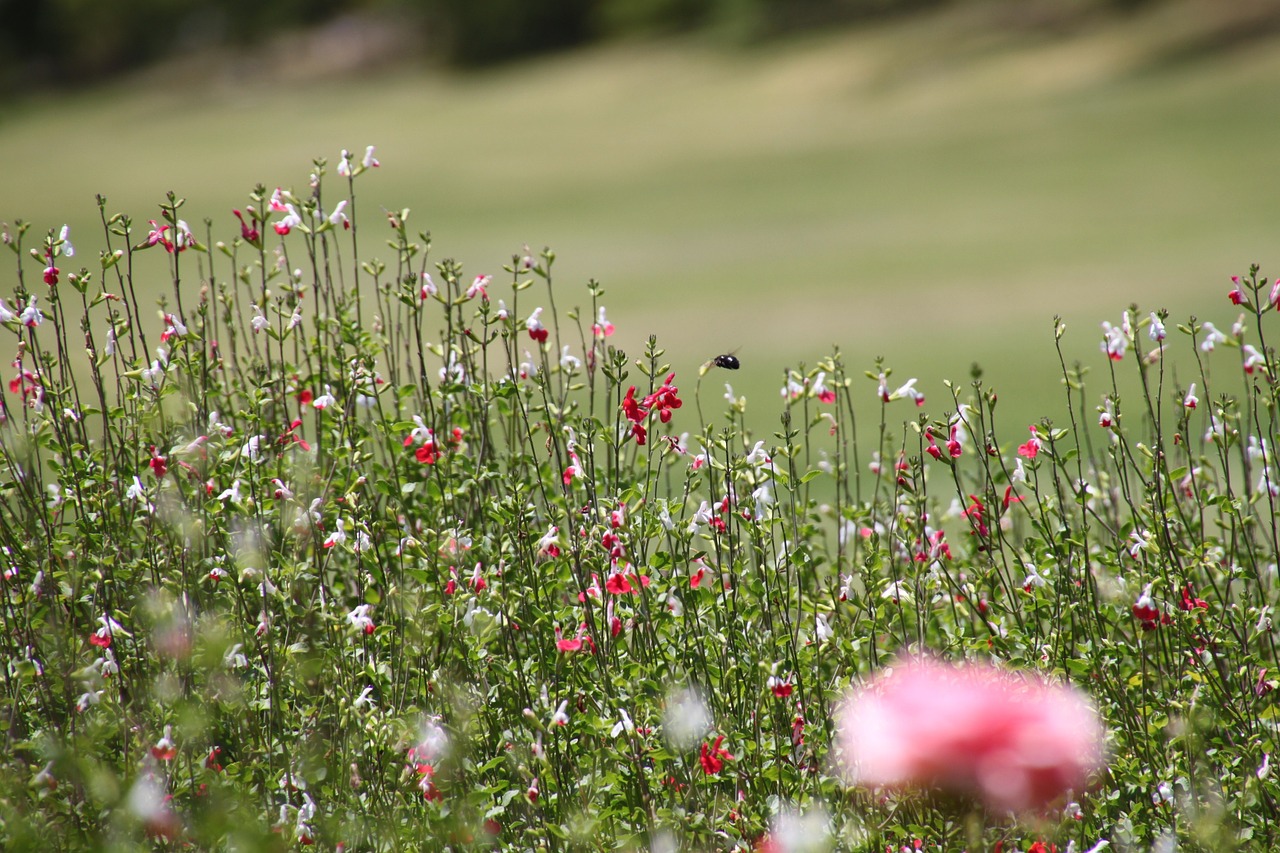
pixel 1014 741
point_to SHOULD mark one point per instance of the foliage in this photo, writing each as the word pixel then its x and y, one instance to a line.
pixel 326 549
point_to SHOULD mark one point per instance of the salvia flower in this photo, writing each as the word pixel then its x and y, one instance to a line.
pixel 1212 337
pixel 1156 330
pixel 819 389
pixel 339 216
pixel 712 756
pixel 537 331
pixel 165 749
pixel 602 328
pixel 1014 741
pixel 478 287
pixel 1115 341
pixel 290 221
pixel 360 619
pixel 907 391
pixel 110 630
pixel 31 315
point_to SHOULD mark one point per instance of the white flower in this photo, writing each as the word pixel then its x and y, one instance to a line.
pixel 6 316
pixel 233 658
pixel 908 390
pixel 369 161
pixel 1033 578
pixel 757 456
pixel 624 724
pixel 763 497
pixel 31 316
pixel 1212 337
pixel 338 536
pixel 478 285
pixel 338 217
pixel 259 321
pixel 360 619
pixel 325 400
pixel 136 492
pixel 568 362
pixel 1156 330
pixel 1141 542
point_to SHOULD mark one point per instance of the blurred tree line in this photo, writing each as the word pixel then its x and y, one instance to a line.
pixel 65 42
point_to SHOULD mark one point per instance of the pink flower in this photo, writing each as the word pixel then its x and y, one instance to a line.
pixel 1031 448
pixel 1013 740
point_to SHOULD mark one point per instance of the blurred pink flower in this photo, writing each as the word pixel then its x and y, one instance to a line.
pixel 1013 740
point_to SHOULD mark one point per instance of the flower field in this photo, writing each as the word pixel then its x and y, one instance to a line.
pixel 342 546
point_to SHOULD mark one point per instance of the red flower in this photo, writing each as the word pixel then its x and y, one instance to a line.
pixel 251 235
pixel 621 583
pixel 933 449
pixel 157 463
pixel 1236 295
pixel 537 331
pixel 712 756
pixel 664 399
pixel 1189 602
pixel 51 275
pixel 1031 448
pixel 695 580
pixel 631 408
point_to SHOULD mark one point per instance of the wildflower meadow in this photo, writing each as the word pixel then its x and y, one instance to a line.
pixel 319 540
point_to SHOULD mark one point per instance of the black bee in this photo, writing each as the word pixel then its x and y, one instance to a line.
pixel 728 361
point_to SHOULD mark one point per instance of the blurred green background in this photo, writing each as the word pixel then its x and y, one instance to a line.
pixel 926 181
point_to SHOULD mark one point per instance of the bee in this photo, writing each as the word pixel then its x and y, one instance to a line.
pixel 728 361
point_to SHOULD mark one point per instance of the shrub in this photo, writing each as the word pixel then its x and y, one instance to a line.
pixel 325 549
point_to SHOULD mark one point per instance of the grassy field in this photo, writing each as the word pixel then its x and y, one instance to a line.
pixel 926 191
